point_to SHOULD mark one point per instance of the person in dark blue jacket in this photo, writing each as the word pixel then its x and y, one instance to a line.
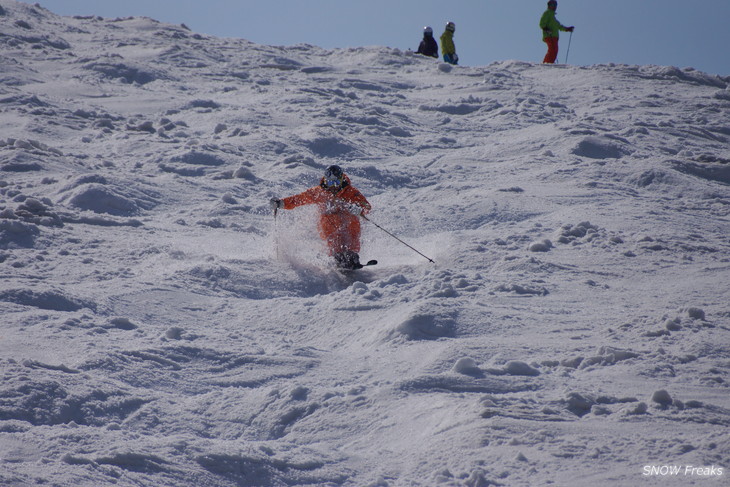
pixel 428 46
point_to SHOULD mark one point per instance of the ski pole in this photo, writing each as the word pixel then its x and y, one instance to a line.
pixel 568 51
pixel 401 241
pixel 276 234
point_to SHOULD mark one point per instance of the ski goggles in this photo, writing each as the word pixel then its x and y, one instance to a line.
pixel 332 182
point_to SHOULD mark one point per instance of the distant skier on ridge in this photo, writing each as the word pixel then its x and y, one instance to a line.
pixel 340 204
pixel 551 28
pixel 447 44
pixel 428 46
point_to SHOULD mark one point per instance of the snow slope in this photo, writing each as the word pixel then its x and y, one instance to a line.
pixel 160 328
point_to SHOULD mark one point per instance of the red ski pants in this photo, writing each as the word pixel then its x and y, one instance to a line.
pixel 552 53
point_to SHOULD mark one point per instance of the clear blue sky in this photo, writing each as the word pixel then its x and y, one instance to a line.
pixel 665 32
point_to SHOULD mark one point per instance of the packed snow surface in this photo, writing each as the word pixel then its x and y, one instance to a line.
pixel 161 328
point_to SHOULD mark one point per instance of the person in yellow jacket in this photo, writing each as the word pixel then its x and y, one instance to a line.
pixel 447 44
pixel 551 28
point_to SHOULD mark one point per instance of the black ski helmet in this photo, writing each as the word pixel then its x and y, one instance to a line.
pixel 334 177
pixel 553 3
pixel 333 171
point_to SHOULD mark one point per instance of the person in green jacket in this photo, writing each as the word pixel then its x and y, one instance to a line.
pixel 447 44
pixel 551 28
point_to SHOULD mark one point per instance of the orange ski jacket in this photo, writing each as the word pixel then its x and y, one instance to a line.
pixel 339 225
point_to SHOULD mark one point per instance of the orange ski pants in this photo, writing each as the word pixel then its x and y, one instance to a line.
pixel 341 231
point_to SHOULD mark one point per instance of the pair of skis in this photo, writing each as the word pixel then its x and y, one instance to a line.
pixel 357 266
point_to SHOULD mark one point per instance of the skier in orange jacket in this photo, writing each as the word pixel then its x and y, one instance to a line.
pixel 340 204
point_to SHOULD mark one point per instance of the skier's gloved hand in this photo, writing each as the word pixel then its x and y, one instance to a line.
pixel 275 203
pixel 355 209
pixel 570 29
